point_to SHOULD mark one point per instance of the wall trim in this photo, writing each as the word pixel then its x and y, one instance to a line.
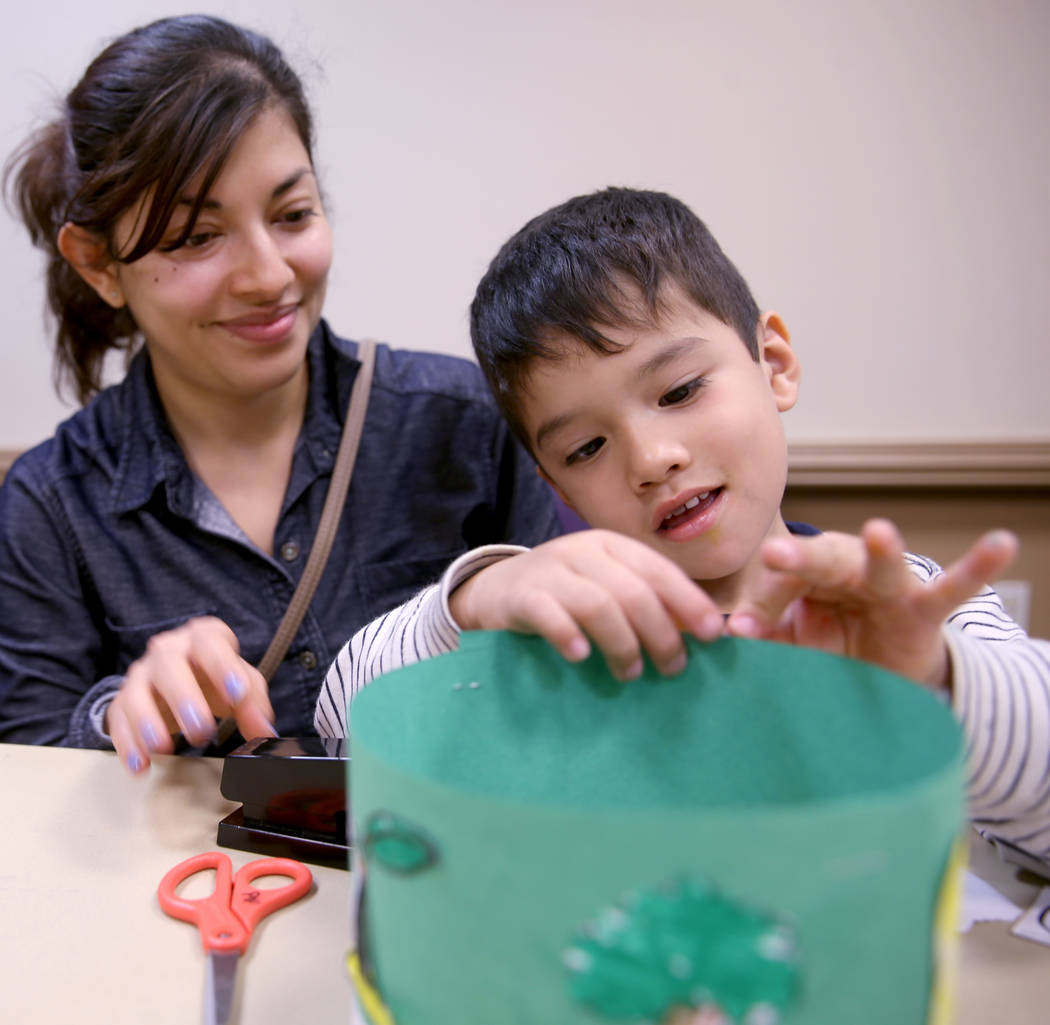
pixel 1020 463
pixel 899 464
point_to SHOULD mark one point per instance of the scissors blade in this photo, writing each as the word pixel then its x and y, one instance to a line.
pixel 218 988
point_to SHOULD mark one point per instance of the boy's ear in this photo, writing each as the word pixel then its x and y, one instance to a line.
pixel 87 253
pixel 782 366
pixel 543 475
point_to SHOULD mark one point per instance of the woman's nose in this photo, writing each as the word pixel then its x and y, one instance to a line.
pixel 262 271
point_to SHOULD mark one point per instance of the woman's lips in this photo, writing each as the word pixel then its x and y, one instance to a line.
pixel 271 326
pixel 691 517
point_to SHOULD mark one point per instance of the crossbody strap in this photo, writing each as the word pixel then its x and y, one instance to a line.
pixel 333 507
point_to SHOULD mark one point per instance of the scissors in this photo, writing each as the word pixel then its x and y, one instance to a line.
pixel 228 916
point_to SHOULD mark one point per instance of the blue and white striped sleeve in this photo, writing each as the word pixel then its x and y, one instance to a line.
pixel 1001 695
pixel 421 628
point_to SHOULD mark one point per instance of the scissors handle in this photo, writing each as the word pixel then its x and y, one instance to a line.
pixel 227 917
pixel 251 904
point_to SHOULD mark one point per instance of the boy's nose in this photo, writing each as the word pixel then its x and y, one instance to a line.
pixel 653 460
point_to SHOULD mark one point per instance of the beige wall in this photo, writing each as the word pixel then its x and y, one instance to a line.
pixel 878 170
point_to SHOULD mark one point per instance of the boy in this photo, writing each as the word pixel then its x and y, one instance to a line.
pixel 628 354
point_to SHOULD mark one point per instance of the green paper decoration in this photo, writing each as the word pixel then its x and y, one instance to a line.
pixel 785 793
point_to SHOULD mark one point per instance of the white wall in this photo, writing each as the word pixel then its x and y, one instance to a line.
pixel 879 170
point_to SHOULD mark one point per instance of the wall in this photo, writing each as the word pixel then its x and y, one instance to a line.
pixel 877 169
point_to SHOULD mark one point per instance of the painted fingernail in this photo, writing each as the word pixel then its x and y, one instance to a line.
pixel 192 718
pixel 149 734
pixel 134 761
pixel 235 686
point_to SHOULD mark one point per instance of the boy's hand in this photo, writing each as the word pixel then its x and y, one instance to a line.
pixel 593 584
pixel 856 596
pixel 188 678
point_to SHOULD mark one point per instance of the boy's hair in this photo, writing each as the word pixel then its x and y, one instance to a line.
pixel 565 272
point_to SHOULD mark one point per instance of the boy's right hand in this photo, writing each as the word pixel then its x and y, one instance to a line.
pixel 187 679
pixel 593 586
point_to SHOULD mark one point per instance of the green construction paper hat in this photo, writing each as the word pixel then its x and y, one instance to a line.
pixel 764 839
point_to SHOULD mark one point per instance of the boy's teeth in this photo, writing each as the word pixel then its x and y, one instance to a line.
pixel 691 504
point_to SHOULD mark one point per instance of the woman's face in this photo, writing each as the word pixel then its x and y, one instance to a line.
pixel 227 315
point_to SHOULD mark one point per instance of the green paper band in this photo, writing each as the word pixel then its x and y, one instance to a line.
pixel 816 791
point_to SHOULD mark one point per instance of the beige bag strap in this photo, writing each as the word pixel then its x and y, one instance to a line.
pixel 333 507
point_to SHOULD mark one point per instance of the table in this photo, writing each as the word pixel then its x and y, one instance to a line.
pixel 82 940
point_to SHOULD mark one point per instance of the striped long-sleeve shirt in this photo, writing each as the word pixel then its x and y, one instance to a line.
pixel 1000 692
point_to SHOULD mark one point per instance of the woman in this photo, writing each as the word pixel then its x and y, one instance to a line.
pixel 149 549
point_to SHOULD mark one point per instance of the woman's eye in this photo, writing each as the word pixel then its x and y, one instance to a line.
pixel 196 240
pixel 297 216
pixel 678 395
pixel 584 451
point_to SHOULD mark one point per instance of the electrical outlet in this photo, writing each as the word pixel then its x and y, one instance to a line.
pixel 1017 599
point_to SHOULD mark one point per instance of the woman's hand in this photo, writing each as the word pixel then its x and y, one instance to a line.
pixel 188 678
pixel 856 596
pixel 593 584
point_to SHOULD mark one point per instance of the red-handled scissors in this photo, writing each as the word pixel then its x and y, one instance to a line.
pixel 228 916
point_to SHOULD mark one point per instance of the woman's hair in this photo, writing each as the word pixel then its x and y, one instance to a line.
pixel 157 108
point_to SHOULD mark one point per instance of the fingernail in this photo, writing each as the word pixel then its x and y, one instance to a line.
pixel 632 672
pixel 578 650
pixel 744 626
pixel 235 686
pixel 273 730
pixel 134 761
pixel 192 718
pixel 149 734
pixel 676 665
pixel 712 626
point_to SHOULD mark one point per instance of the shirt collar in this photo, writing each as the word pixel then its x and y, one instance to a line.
pixel 150 456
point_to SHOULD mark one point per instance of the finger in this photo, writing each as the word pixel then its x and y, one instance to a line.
pixel 651 623
pixel 175 683
pixel 134 757
pixel 690 607
pixel 886 574
pixel 762 608
pixel 970 574
pixel 593 609
pixel 539 612
pixel 151 726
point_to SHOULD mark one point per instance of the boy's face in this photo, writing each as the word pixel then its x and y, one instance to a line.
pixel 676 440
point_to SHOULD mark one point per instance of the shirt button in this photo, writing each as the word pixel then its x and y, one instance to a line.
pixel 307 659
pixel 289 551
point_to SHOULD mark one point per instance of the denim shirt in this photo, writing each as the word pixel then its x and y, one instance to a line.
pixel 107 537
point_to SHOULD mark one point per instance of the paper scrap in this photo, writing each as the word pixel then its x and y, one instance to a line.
pixel 1035 924
pixel 982 902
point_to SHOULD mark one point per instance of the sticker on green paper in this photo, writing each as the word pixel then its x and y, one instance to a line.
pixel 684 953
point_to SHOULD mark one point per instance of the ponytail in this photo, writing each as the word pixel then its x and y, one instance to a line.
pixel 40 183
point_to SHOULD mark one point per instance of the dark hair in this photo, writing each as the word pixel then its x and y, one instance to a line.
pixel 158 107
pixel 565 272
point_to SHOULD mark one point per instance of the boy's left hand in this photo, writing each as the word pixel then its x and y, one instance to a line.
pixel 856 596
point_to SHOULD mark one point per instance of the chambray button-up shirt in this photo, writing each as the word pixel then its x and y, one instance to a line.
pixel 107 537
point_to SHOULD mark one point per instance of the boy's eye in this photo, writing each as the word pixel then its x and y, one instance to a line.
pixel 584 451
pixel 684 391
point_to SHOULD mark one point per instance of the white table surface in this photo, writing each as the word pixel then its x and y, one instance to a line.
pixel 83 846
